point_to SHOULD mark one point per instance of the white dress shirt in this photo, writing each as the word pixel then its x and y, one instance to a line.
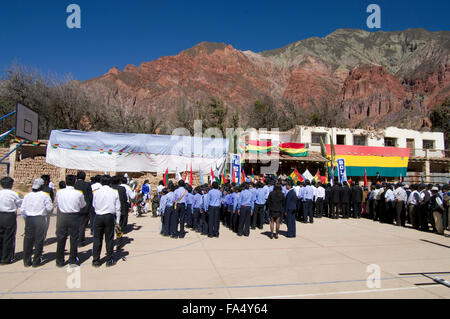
pixel 130 193
pixel 96 186
pixel 106 201
pixel 320 192
pixel 9 201
pixel 400 194
pixel 36 204
pixel 389 196
pixel 70 200
pixel 296 189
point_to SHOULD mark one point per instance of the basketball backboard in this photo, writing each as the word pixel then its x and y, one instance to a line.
pixel 27 123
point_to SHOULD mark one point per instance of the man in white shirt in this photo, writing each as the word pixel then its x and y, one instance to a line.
pixel 35 207
pixel 9 203
pixel 70 201
pixel 319 196
pixel 390 202
pixel 400 204
pixel 106 205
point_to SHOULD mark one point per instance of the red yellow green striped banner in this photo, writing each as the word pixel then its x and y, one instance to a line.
pixel 259 146
pixel 294 149
pixel 388 161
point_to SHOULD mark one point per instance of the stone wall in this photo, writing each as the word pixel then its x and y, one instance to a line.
pixel 34 165
pixel 3 152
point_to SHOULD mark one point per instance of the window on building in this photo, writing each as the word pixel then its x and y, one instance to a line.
pixel 428 144
pixel 359 140
pixel 390 141
pixel 315 138
pixel 340 139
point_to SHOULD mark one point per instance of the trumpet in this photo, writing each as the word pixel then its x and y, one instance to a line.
pixel 118 230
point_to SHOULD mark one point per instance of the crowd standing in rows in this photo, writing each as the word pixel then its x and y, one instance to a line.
pixel 103 206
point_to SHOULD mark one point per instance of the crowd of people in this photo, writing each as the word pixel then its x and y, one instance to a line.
pixel 275 201
pixel 103 205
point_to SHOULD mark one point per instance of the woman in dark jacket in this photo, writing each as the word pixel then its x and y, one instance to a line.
pixel 275 205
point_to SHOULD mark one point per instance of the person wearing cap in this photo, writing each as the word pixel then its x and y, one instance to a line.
pixel 70 202
pixel 437 210
pixel 35 207
pixel 9 203
pixel 106 205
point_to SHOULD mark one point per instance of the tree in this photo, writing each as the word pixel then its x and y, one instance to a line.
pixel 440 119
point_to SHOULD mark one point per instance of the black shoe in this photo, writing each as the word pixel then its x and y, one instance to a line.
pixel 60 265
pixel 276 236
pixel 37 264
pixel 110 263
pixel 216 235
pixel 96 264
pixel 271 236
pixel 210 236
pixel 239 234
pixel 27 264
pixel 174 236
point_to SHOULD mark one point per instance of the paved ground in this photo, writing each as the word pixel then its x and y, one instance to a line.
pixel 328 259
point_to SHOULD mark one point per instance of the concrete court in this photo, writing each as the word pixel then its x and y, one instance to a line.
pixel 328 259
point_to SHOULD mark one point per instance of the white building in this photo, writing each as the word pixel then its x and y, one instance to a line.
pixel 428 161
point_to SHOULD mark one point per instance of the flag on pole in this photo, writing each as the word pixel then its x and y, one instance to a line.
pixel 224 180
pixel 234 177
pixel 317 176
pixel 201 177
pixel 253 176
pixel 365 178
pixel 296 176
pixel 243 176
pixel 186 175
pixel 212 176
pixel 177 175
pixel 191 178
pixel 166 178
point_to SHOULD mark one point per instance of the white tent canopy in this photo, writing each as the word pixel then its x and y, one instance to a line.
pixel 121 152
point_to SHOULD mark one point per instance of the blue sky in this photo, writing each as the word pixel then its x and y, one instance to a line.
pixel 118 32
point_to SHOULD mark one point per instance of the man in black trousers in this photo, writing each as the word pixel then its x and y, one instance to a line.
pixel 9 203
pixel 335 200
pixel 115 184
pixel 345 199
pixel 86 189
pixel 106 205
pixel 290 210
pixel 70 202
pixel 356 199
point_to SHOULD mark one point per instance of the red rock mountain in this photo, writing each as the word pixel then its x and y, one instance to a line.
pixel 379 78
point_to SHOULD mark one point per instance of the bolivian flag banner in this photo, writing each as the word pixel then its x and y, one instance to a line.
pixel 294 149
pixel 388 161
pixel 259 147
